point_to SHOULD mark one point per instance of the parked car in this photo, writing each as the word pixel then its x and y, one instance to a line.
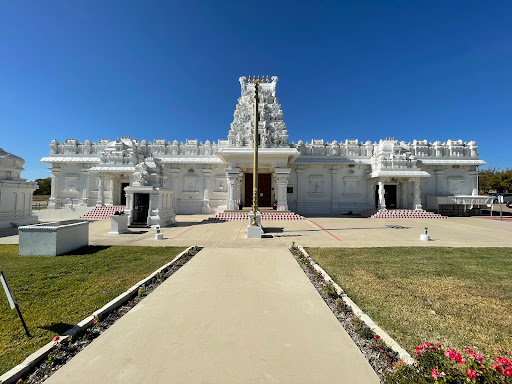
pixel 509 204
pixel 507 197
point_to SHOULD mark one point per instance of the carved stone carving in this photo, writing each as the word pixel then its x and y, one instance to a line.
pixel 272 128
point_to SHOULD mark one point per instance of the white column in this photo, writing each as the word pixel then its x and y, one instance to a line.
pixel 87 190
pixel 474 183
pixel 154 212
pixel 206 190
pixel 382 200
pixel 110 200
pixel 54 188
pixel 438 174
pixel 239 190
pixel 300 173
pixel 101 192
pixel 416 194
pixel 282 175
pixel 232 176
pixel 403 192
pixel 129 207
pixel 334 189
pixel 174 186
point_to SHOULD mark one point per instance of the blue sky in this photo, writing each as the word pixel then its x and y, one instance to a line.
pixel 433 70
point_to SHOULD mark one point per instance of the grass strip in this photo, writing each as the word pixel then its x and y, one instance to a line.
pixel 457 297
pixel 54 293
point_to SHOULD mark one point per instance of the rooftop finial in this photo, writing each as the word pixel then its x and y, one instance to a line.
pixel 267 78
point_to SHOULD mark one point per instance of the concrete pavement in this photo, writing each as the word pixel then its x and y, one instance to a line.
pixel 318 231
pixel 228 316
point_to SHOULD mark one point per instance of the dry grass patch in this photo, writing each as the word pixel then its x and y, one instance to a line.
pixel 454 296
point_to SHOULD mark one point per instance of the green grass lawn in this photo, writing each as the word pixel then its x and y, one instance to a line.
pixel 54 293
pixel 457 297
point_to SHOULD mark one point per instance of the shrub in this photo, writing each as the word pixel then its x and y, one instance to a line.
pixel 437 365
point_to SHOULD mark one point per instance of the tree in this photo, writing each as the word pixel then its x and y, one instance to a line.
pixel 495 179
pixel 45 186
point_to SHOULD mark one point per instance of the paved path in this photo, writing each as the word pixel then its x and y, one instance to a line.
pixel 230 315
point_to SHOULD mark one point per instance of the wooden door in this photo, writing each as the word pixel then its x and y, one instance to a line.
pixel 264 190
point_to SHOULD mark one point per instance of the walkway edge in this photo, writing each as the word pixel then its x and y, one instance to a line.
pixel 388 340
pixel 35 358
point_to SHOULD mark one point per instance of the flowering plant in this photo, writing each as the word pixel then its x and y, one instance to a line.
pixel 437 365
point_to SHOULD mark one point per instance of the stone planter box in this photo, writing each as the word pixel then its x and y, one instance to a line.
pixel 53 238
pixel 118 224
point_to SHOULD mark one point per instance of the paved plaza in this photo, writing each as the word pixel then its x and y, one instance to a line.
pixel 319 231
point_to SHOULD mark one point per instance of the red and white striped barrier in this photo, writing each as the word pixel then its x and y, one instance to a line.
pixel 100 213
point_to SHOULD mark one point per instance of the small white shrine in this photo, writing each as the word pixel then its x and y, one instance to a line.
pixel 15 193
pixel 156 180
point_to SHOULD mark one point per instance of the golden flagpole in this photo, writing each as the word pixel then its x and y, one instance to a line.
pixel 255 162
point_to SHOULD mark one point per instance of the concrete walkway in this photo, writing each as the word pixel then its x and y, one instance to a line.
pixel 230 315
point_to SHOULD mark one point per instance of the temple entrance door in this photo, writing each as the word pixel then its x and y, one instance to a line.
pixel 122 200
pixel 264 189
pixel 389 196
pixel 140 208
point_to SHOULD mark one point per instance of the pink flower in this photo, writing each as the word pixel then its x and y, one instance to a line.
pixel 470 351
pixel 508 371
pixel 471 373
pixel 435 374
pixel 502 360
pixel 56 338
pixel 377 337
pixel 453 355
pixel 479 357
pixel 498 368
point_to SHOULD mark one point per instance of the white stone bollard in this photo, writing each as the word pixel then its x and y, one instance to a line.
pixel 425 236
pixel 158 235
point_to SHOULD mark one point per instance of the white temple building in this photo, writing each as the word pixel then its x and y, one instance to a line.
pixel 156 180
pixel 15 193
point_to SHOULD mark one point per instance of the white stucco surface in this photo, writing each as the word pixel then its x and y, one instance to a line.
pixel 53 238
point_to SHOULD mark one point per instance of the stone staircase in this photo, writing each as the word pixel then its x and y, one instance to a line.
pixel 99 213
pixel 405 214
pixel 265 216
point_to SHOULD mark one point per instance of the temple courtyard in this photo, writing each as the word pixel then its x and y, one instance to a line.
pixel 314 231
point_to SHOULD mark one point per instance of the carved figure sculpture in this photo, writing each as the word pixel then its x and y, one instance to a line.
pixel 140 175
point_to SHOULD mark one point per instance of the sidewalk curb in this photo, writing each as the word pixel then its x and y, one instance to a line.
pixel 35 358
pixel 388 340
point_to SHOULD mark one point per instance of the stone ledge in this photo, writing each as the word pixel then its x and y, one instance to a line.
pixel 388 340
pixel 35 358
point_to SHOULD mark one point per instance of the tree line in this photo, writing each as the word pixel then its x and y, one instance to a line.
pixel 494 179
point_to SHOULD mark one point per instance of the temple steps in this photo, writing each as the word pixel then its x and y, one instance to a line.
pixel 405 214
pixel 100 213
pixel 265 216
